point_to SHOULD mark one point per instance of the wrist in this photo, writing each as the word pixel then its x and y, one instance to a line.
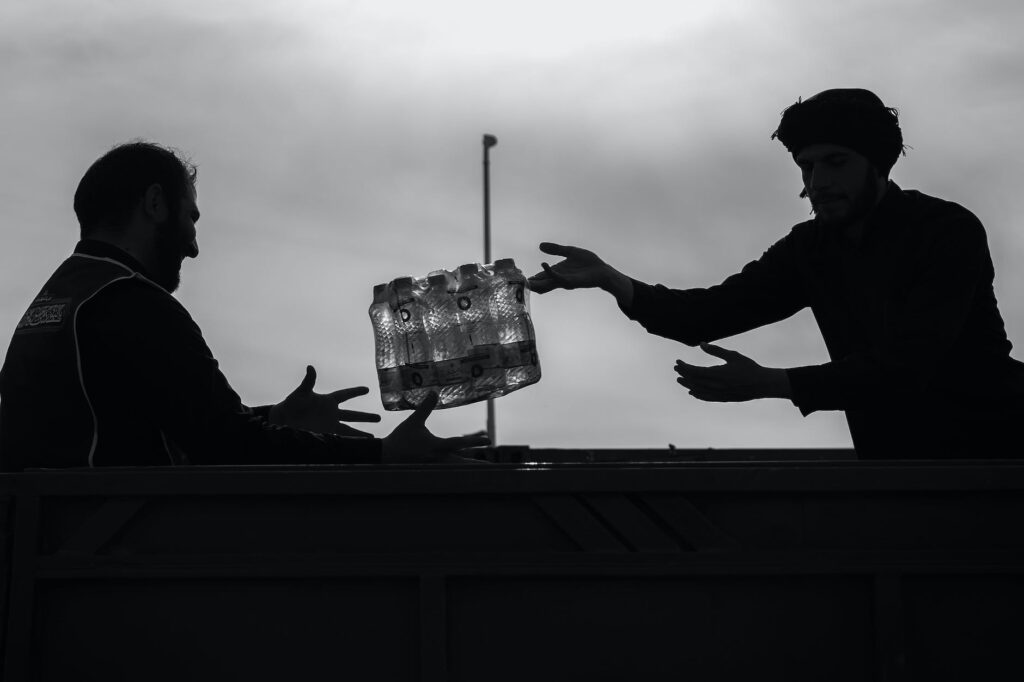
pixel 778 384
pixel 619 286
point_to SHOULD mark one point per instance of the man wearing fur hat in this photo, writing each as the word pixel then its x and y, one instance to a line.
pixel 899 282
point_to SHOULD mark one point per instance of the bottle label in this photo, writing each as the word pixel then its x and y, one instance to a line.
pixel 486 355
pixel 510 355
pixel 481 369
pixel 528 352
pixel 418 375
pixel 450 372
pixel 390 380
pixel 518 354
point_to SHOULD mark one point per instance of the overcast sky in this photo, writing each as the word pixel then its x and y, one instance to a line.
pixel 338 146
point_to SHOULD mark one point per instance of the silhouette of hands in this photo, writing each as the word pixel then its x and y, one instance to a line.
pixel 738 380
pixel 305 409
pixel 581 269
pixel 412 442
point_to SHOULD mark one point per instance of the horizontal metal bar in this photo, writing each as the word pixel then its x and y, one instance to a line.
pixel 738 563
pixel 782 477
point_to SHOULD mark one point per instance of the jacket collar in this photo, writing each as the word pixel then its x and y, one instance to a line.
pixel 101 249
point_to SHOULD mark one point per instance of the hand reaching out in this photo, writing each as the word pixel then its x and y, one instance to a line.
pixel 738 380
pixel 305 409
pixel 411 441
pixel 580 269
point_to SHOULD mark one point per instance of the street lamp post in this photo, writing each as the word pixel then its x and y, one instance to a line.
pixel 489 141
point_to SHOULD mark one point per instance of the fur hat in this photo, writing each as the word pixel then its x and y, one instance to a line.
pixel 850 117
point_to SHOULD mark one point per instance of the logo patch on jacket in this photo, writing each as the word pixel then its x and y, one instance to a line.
pixel 45 314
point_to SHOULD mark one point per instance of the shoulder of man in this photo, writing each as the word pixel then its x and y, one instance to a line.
pixel 942 218
pixel 805 235
pixel 137 301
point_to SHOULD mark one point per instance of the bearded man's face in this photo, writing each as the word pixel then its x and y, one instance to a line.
pixel 176 240
pixel 843 185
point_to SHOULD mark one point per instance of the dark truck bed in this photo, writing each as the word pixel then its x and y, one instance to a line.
pixel 597 565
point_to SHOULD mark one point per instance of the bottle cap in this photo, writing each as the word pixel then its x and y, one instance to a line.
pixel 380 293
pixel 402 283
pixel 505 264
pixel 438 281
pixel 469 276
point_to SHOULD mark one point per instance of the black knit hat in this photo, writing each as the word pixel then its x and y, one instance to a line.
pixel 850 117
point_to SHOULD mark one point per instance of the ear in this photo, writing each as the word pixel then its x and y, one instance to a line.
pixel 154 203
pixel 881 178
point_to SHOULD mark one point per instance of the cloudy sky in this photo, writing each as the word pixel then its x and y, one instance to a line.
pixel 338 146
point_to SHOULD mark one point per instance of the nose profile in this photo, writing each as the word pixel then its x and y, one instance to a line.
pixel 817 178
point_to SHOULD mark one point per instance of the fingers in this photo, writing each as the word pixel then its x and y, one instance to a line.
pixel 557 249
pixel 723 353
pixel 542 283
pixel 309 380
pixel 348 393
pixel 554 277
pixel 354 416
pixel 702 384
pixel 546 281
pixel 698 378
pixel 708 395
pixel 420 414
pixel 696 371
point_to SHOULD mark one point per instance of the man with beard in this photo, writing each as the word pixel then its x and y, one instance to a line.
pixel 107 368
pixel 900 284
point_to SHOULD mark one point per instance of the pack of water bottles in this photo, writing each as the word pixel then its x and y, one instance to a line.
pixel 464 334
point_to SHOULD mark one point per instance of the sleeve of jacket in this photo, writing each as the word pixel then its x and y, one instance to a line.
pixel 196 406
pixel 766 290
pixel 923 322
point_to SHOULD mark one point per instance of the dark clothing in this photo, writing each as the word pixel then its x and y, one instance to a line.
pixel 919 355
pixel 107 368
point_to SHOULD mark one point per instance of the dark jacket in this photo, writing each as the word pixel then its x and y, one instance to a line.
pixel 107 368
pixel 919 355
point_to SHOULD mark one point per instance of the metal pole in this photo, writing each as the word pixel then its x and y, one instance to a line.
pixel 489 141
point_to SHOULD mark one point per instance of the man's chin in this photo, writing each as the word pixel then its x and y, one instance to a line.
pixel 169 281
pixel 832 218
pixel 170 285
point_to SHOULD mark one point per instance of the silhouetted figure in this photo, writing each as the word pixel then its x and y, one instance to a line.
pixel 107 368
pixel 900 284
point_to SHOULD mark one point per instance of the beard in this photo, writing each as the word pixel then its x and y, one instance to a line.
pixel 860 204
pixel 169 258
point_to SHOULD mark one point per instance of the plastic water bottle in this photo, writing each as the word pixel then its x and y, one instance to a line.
pixel 417 374
pixel 477 325
pixel 385 341
pixel 467 335
pixel 510 308
pixel 449 348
